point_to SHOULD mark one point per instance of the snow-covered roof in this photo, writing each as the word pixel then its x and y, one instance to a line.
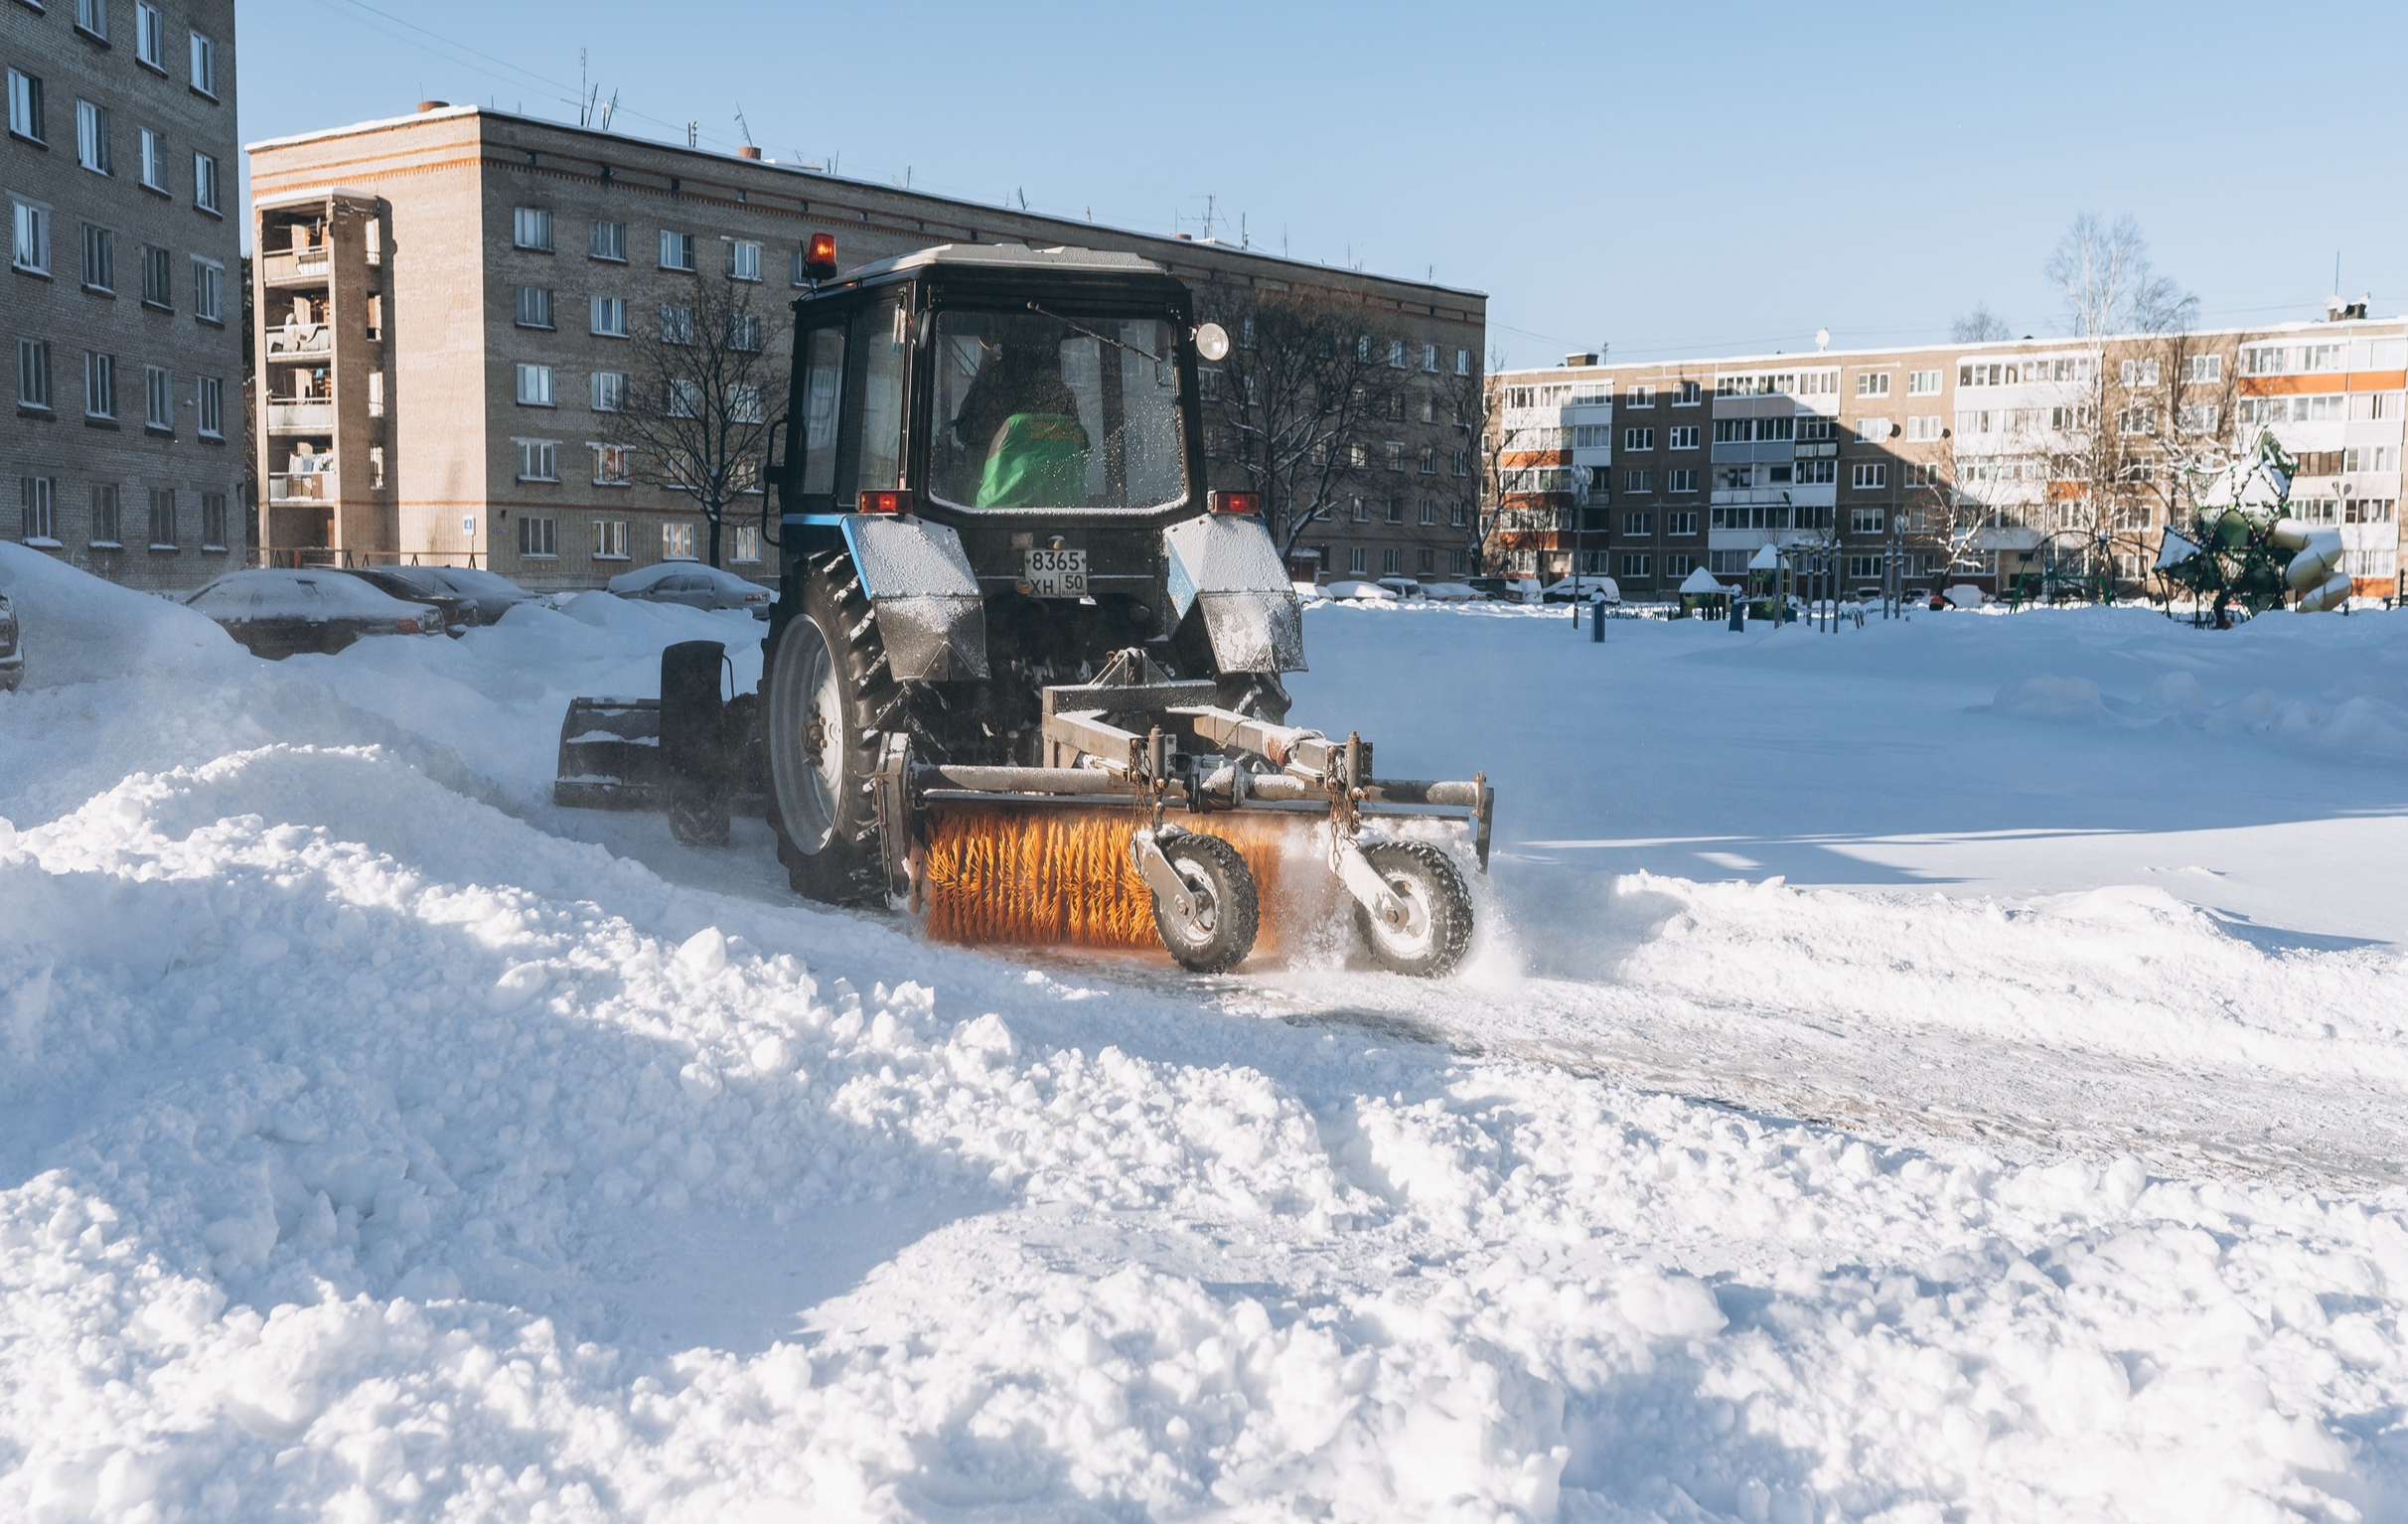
pixel 1009 255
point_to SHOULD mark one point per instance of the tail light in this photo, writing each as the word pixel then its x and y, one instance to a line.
pixel 885 502
pixel 1234 503
pixel 406 625
pixel 820 256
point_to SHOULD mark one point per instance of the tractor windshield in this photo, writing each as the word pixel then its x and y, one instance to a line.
pixel 1038 411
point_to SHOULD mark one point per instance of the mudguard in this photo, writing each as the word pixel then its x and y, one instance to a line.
pixel 1225 564
pixel 922 594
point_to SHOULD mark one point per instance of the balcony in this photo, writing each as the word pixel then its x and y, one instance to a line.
pixel 303 487
pixel 282 267
pixel 296 341
pixel 309 416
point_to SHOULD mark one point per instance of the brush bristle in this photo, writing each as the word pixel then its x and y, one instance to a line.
pixel 1057 876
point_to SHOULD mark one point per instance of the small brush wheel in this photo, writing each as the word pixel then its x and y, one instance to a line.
pixel 1437 911
pixel 1228 909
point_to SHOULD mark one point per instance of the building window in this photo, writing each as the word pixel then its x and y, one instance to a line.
pixel 2138 373
pixel 1429 359
pixel 533 307
pixel 530 228
pixel 610 392
pixel 92 16
pixel 1395 510
pixel 1682 437
pixel 538 461
pixel 1459 561
pixel 747 547
pixel 1687 395
pixel 1922 383
pixel 204 183
pixel 1638 438
pixel 1923 428
pixel 677 324
pixel 204 65
pixel 610 465
pixel 212 520
pixel 2136 420
pixel 1359 510
pixel 154 161
pixel 1430 511
pixel 99 385
pixel 158 398
pixel 32 373
pixel 539 535
pixel 100 258
pixel 92 136
pixel 682 398
pixel 38 522
pixel 677 251
pixel 743 259
pixel 209 284
pixel 1681 524
pixel 1392 563
pixel 1637 523
pixel 743 332
pixel 534 386
pixel 25 106
pixel 1871 429
pixel 1638 481
pixel 150 36
pixel 677 540
pixel 1867 521
pixel 1460 461
pixel 158 281
pixel 1873 383
pixel 1681 480
pixel 2204 367
pixel 209 397
pixel 163 519
pixel 105 524
pixel 1639 565
pixel 1639 396
pixel 1817 473
pixel 607 241
pixel 2197 420
pixel 610 539
pixel 1867 474
pixel 610 316
pixel 1358 560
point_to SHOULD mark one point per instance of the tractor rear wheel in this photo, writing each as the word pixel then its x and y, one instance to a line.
pixel 1437 911
pixel 1228 908
pixel 830 705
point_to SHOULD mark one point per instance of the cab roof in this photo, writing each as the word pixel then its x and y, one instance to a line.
pixel 1002 256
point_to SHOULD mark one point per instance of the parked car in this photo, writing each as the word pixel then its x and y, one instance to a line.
pixel 695 585
pixel 465 595
pixel 1505 589
pixel 1402 588
pixel 1450 592
pixel 1590 591
pixel 12 652
pixel 1361 592
pixel 276 612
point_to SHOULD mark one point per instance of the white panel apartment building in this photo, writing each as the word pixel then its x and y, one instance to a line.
pixel 1981 463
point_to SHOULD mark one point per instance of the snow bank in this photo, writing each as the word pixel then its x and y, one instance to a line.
pixel 76 628
pixel 368 1148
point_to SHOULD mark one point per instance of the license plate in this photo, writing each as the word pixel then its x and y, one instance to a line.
pixel 1054 573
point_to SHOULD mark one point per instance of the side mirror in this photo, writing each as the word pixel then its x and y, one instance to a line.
pixel 1212 342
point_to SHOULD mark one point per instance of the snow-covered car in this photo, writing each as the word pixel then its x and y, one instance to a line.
pixel 1590 590
pixel 1451 592
pixel 465 595
pixel 277 612
pixel 695 585
pixel 12 654
pixel 1402 588
pixel 1505 589
pixel 1308 592
pixel 1360 592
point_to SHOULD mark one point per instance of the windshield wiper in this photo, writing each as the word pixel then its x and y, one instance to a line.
pixel 1092 334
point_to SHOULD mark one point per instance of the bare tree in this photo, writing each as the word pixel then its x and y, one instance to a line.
pixel 1979 326
pixel 2103 271
pixel 1474 412
pixel 705 396
pixel 1295 406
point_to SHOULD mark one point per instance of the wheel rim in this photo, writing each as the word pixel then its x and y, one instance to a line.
pixel 1199 926
pixel 1415 938
pixel 807 736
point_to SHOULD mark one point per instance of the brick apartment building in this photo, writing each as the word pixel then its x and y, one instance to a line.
pixel 125 452
pixel 1980 463
pixel 443 301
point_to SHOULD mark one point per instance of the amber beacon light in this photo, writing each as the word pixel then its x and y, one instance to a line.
pixel 820 256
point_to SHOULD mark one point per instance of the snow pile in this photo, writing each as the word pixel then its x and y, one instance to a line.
pixel 76 628
pixel 369 1149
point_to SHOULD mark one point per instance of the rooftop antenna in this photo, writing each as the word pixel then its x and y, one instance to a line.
pixel 1244 242
pixel 744 126
pixel 693 134
pixel 581 88
pixel 1209 199
pixel 609 106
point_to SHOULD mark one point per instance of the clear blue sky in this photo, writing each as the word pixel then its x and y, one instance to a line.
pixel 1673 179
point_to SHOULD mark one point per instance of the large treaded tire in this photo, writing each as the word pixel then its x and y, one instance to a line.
pixel 1231 912
pixel 828 683
pixel 1439 904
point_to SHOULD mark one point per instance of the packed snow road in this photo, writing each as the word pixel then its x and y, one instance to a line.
pixel 378 1141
